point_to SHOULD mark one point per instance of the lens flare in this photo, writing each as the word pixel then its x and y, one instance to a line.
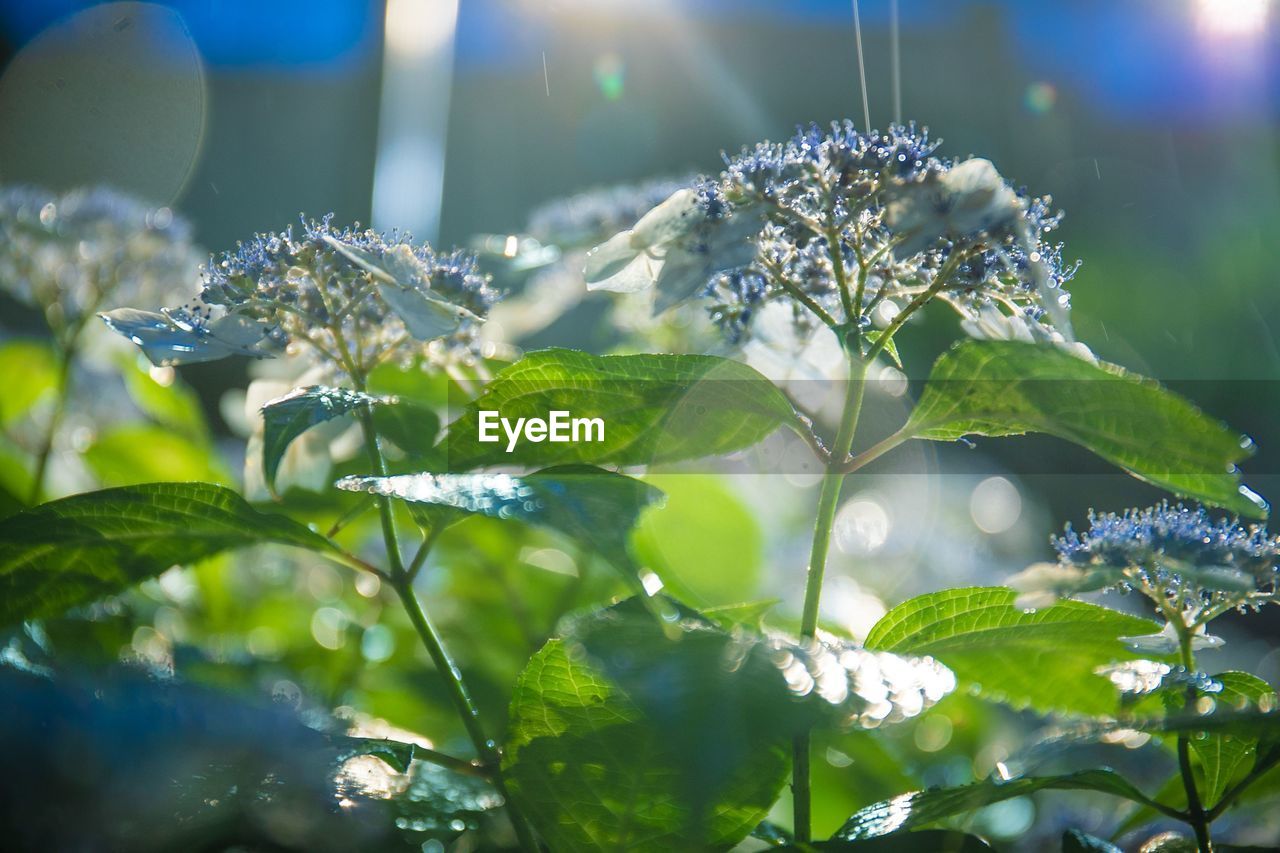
pixel 1232 18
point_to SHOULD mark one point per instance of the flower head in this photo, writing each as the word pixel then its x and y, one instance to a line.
pixel 1186 561
pixel 839 221
pixel 73 253
pixel 353 297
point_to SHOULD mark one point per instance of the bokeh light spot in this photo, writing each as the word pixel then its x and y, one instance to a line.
pixel 995 505
pixel 1040 98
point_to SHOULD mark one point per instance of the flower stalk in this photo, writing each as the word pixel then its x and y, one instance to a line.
pixel 1196 815
pixel 401 579
pixel 828 502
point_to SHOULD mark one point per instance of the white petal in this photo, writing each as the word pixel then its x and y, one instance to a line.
pixel 639 273
pixel 669 221
pixel 608 259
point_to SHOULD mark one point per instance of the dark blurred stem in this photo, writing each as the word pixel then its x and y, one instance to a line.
pixel 401 580
pixel 66 357
pixel 1196 815
pixel 828 502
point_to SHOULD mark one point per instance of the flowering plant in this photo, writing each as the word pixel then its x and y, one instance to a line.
pixel 636 720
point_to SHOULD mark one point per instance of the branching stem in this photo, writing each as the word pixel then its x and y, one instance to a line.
pixel 1196 815
pixel 401 579
pixel 828 501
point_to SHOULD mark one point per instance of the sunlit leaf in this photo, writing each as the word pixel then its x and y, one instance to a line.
pixel 408 425
pixel 285 418
pixel 933 840
pixel 1002 388
pixel 655 408
pixel 644 732
pixel 1003 652
pixel 78 549
pixel 922 808
pixel 1224 756
pixel 749 613
pixel 872 337
pixel 595 772
pixel 594 507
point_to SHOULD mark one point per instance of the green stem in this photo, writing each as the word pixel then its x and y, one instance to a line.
pixel 457 765
pixel 1196 815
pixel 402 581
pixel 939 282
pixel 828 501
pixel 63 394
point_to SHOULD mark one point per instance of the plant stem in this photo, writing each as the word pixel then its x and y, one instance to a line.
pixel 828 501
pixel 402 580
pixel 1195 808
pixel 66 358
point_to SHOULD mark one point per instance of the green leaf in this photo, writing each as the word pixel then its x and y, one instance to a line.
pixel 79 549
pixel 144 453
pixel 593 507
pixel 748 613
pixel 595 772
pixel 1001 388
pixel 705 544
pixel 30 370
pixel 1003 652
pixel 288 417
pixel 642 732
pixel 921 808
pixel 1225 756
pixel 890 347
pixel 932 840
pixel 655 408
pixel 409 426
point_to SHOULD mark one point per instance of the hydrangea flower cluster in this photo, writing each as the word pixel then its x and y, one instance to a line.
pixel 1192 566
pixel 74 253
pixel 353 297
pixel 850 228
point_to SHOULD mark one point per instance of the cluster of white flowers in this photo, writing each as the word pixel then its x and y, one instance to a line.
pixel 73 254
